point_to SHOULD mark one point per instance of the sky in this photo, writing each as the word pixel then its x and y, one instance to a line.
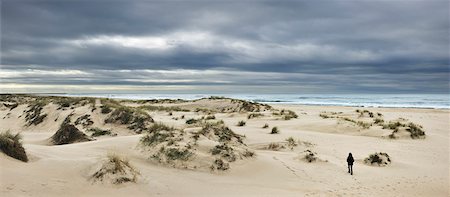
pixel 198 46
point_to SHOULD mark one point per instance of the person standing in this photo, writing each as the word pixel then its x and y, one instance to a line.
pixel 350 161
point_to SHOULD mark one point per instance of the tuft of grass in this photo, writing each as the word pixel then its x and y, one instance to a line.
pixel 117 168
pixel 275 130
pixel 210 117
pixel 291 143
pixel 34 114
pixel 178 154
pixel 254 115
pixel 160 127
pixel 275 146
pixel 241 123
pixel 310 156
pixel 99 132
pixel 191 121
pixel 11 145
pixel 415 131
pixel 378 121
pixel 265 126
pixel 380 159
pixel 68 133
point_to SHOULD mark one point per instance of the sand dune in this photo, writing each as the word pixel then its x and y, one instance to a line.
pixel 419 167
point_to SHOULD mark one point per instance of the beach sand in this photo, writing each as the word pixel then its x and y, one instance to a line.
pixel 420 167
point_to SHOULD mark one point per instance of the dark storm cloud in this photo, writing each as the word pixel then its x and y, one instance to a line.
pixel 395 45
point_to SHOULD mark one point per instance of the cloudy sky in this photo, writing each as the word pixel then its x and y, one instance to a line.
pixel 252 46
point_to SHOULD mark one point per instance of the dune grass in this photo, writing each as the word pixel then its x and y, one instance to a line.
pixel 12 146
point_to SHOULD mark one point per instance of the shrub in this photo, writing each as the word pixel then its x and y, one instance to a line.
pixel 310 156
pixel 378 121
pixel 11 145
pixel 415 131
pixel 99 132
pixel 265 126
pixel 33 114
pixel 68 133
pixel 219 164
pixel 275 146
pixel 191 121
pixel 275 130
pixel 241 123
pixel 160 127
pixel 155 137
pixel 254 115
pixel 105 109
pixel 178 154
pixel 291 143
pixel 117 169
pixel 380 159
pixel 210 117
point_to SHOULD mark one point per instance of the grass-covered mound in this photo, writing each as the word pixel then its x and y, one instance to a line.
pixel 135 118
pixel 11 145
pixel 380 159
pixel 116 170
pixel 212 147
pixel 68 134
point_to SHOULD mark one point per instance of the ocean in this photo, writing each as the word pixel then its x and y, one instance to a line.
pixel 438 101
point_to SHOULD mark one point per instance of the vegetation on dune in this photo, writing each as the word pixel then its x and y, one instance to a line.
pixel 291 143
pixel 210 117
pixel 65 102
pixel 241 123
pixel 168 144
pixel 68 133
pixel 135 118
pixel 11 145
pixel 158 126
pixel 163 108
pixel 117 170
pixel 380 159
pixel 275 130
pixel 265 126
pixel 100 132
pixel 254 115
pixel 310 156
pixel 34 114
pixel 286 114
pixel 84 120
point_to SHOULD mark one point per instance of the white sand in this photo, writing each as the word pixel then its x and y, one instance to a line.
pixel 419 167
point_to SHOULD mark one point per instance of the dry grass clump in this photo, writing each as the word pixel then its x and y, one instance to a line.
pixel 100 132
pixel 275 130
pixel 68 133
pixel 210 117
pixel 254 115
pixel 115 170
pixel 159 126
pixel 291 143
pixel 33 114
pixel 286 114
pixel 192 121
pixel 265 126
pixel 380 159
pixel 415 131
pixel 163 108
pixel 84 120
pixel 65 102
pixel 275 146
pixel 11 145
pixel 136 119
pixel 310 156
pixel 177 148
pixel 241 123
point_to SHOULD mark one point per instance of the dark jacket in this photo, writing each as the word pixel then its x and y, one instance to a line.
pixel 350 160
